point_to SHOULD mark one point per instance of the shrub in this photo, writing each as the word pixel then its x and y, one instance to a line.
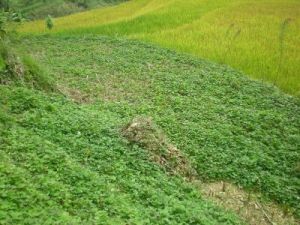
pixel 49 22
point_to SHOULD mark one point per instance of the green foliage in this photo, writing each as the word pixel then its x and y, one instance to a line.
pixel 200 27
pixel 38 9
pixel 8 20
pixel 61 163
pixel 3 24
pixel 2 64
pixel 17 17
pixel 230 127
pixel 49 22
pixel 16 67
pixel 20 69
pixel 4 4
pixel 80 3
pixel 35 77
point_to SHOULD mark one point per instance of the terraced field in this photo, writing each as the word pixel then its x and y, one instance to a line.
pixel 260 38
pixel 229 127
pixel 99 129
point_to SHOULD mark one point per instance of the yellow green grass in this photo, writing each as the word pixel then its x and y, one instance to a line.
pixel 260 38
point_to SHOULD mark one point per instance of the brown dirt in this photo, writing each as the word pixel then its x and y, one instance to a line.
pixel 248 206
pixel 74 94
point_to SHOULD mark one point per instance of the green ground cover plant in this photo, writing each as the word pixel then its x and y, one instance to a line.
pixel 62 163
pixel 104 130
pixel 231 128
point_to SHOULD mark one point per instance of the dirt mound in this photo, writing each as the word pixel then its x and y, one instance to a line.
pixel 249 206
pixel 144 132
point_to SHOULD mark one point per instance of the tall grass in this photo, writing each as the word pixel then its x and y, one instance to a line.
pixel 201 27
pixel 282 34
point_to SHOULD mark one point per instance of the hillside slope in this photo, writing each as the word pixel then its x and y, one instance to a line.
pixel 62 163
pixel 230 128
pixel 260 38
pixel 35 9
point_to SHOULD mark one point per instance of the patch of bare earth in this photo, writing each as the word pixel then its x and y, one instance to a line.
pixel 118 88
pixel 247 205
pixel 144 132
pixel 74 94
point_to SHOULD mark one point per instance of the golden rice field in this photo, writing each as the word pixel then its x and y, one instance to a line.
pixel 258 37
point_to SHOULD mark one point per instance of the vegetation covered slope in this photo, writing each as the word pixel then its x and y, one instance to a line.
pixel 231 128
pixel 34 9
pixel 62 163
pixel 260 38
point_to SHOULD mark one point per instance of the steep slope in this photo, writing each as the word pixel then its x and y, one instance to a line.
pixel 261 38
pixel 231 128
pixel 35 9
